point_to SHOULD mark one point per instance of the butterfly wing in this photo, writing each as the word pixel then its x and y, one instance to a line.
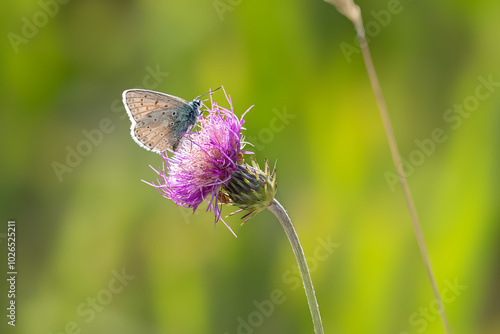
pixel 158 120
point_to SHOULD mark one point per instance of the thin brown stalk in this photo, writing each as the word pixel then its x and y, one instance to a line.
pixel 349 9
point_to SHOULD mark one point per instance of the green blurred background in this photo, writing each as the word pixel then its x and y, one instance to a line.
pixel 78 228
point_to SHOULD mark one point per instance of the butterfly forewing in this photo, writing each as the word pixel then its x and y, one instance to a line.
pixel 158 120
pixel 140 102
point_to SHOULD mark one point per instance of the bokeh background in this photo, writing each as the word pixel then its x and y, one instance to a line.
pixel 62 74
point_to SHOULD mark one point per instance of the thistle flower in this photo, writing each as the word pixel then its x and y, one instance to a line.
pixel 209 166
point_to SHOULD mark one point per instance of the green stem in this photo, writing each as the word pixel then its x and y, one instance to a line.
pixel 280 213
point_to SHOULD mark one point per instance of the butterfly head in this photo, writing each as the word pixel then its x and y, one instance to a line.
pixel 196 103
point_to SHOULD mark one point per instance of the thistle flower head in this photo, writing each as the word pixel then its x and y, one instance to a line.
pixel 209 166
pixel 250 189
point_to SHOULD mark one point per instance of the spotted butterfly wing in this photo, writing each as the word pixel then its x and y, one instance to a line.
pixel 159 120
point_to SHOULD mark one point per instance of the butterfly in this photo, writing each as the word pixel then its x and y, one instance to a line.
pixel 159 121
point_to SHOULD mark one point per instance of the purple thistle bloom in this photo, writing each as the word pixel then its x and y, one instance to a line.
pixel 205 161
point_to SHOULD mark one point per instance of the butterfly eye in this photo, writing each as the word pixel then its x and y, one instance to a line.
pixel 171 123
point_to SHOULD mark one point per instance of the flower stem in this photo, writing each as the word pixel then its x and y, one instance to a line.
pixel 353 13
pixel 280 213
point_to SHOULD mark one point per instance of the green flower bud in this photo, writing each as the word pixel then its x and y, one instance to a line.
pixel 250 189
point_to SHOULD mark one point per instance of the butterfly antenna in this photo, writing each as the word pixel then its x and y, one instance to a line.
pixel 210 93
